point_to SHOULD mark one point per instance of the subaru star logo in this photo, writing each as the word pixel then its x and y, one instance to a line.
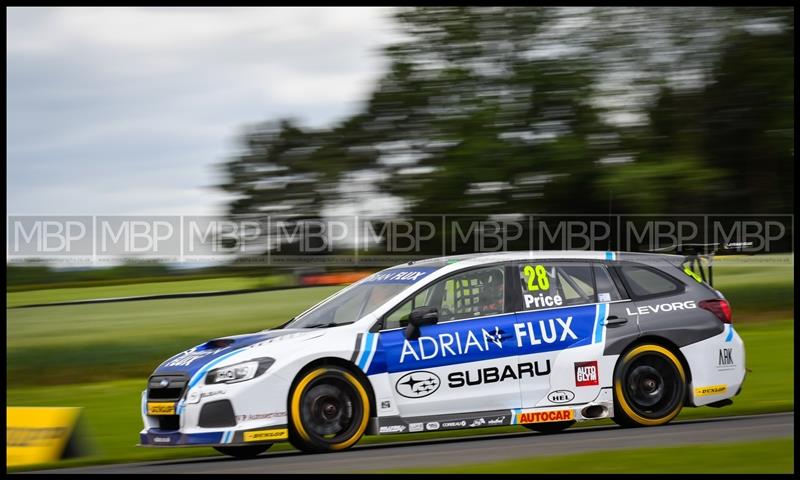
pixel 417 384
pixel 164 383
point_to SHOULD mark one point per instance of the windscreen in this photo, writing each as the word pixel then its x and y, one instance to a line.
pixel 360 299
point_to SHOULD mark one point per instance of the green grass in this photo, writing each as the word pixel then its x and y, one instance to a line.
pixel 111 409
pixel 136 289
pixel 756 289
pixel 66 344
pixel 771 456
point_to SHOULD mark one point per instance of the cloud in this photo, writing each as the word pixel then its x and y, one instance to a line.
pixel 104 100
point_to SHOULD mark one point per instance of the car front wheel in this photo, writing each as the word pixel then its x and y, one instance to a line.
pixel 329 410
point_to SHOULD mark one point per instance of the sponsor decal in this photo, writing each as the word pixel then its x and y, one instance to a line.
pixel 586 374
pixel 473 340
pixel 417 384
pixel 386 404
pixel 542 301
pixel 211 394
pixel 725 359
pixel 400 275
pixel 392 429
pixel 710 390
pixel 266 435
pixel 259 416
pixel 187 358
pixel 458 424
pixel 603 297
pixel 551 331
pixel 195 396
pixel 478 422
pixel 560 396
pixel 542 416
pixel 162 439
pixel 494 375
pixel 497 421
pixel 432 426
pixel 662 307
pixel 454 344
pixel 160 408
pixel 415 427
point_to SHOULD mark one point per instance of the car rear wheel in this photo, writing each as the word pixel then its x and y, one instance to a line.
pixel 329 410
pixel 250 451
pixel 549 427
pixel 649 387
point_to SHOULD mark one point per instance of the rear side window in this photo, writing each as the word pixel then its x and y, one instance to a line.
pixel 645 282
pixel 606 288
pixel 555 284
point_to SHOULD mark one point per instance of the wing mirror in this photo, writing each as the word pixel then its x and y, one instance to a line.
pixel 419 317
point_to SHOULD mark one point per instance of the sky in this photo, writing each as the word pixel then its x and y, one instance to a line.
pixel 128 111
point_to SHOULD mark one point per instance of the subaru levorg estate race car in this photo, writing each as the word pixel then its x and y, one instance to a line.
pixel 540 339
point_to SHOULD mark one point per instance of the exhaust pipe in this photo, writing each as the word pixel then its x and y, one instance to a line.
pixel 595 411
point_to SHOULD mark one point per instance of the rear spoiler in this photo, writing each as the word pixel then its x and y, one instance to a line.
pixel 699 257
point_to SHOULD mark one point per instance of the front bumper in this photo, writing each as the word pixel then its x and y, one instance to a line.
pixel 258 415
pixel 158 438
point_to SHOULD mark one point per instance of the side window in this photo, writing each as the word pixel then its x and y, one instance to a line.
pixel 399 318
pixel 553 284
pixel 606 288
pixel 474 293
pixel 644 282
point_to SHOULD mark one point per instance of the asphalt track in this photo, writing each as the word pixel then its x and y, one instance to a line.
pixel 478 449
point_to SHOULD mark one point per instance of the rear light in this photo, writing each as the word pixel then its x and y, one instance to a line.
pixel 720 308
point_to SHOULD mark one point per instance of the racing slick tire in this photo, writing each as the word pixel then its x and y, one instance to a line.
pixel 550 427
pixel 250 451
pixel 328 410
pixel 649 387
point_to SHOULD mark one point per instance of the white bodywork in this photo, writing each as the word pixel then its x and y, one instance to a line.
pixel 262 402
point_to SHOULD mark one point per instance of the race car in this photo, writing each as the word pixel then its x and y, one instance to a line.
pixel 542 339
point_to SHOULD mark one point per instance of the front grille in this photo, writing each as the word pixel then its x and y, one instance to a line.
pixel 169 422
pixel 217 414
pixel 173 390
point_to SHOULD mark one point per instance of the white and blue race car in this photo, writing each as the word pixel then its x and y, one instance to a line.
pixel 540 339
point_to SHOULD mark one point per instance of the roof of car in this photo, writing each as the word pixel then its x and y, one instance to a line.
pixel 491 257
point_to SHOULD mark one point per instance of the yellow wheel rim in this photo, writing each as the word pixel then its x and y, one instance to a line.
pixel 618 391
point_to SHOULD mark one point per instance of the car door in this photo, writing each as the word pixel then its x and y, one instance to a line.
pixel 561 328
pixel 464 363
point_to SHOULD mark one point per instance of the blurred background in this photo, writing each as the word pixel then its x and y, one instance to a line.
pixel 392 113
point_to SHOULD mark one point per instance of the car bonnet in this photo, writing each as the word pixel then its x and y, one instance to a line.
pixel 191 361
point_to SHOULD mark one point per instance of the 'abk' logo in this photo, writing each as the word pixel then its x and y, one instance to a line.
pixel 725 359
pixel 586 374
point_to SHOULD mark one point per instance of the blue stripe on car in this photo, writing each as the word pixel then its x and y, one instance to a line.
pixel 372 350
pixel 602 310
pixel 730 333
pixel 369 345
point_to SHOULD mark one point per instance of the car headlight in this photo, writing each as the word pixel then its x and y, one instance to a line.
pixel 239 372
